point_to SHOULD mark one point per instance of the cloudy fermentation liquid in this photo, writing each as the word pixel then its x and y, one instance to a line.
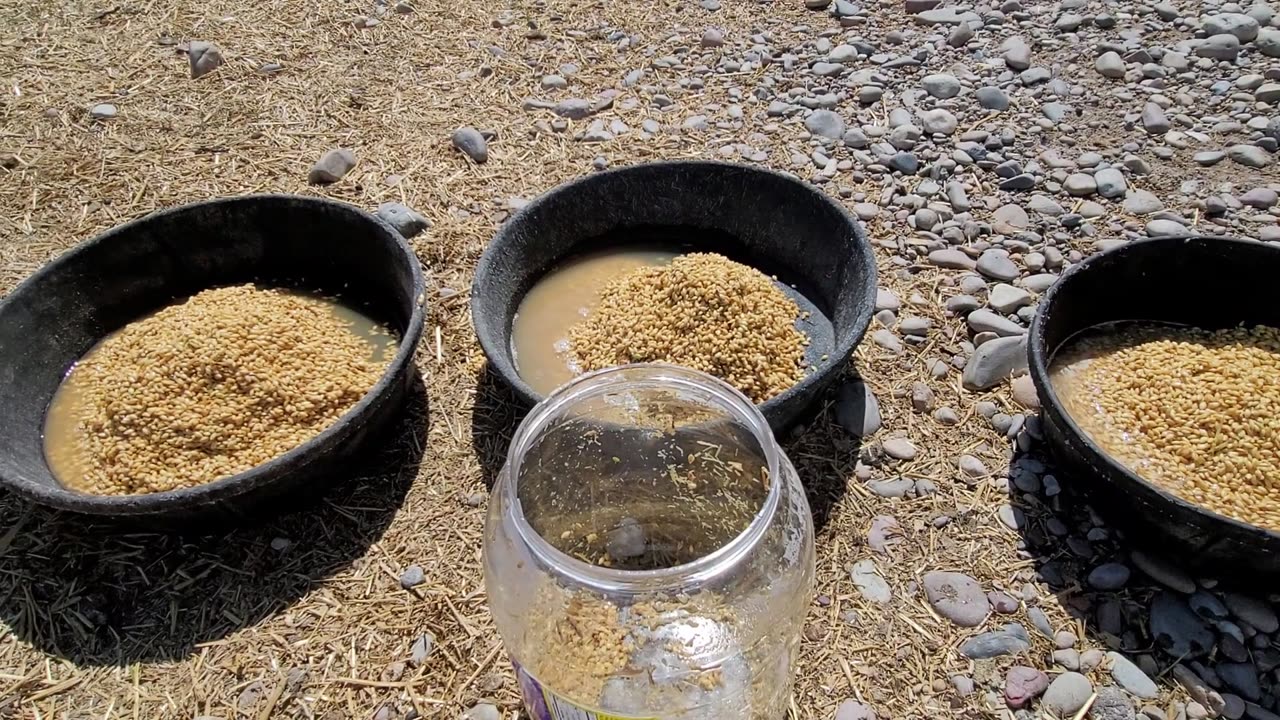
pixel 560 300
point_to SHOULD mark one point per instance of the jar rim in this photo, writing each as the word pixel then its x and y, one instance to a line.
pixel 695 572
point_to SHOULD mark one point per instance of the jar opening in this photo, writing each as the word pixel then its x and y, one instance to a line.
pixel 642 475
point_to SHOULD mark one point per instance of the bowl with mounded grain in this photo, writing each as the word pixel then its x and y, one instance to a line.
pixel 746 274
pixel 206 362
pixel 1156 366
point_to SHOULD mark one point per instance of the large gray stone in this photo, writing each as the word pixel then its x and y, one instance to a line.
pixel 1108 576
pixel 203 58
pixel 483 711
pixel 1249 155
pixel 1261 198
pixel 1219 47
pixel 1255 611
pixel 941 85
pixel 1163 572
pixel 938 122
pixel 1162 226
pixel 1080 185
pixel 1154 121
pixel 1131 677
pixel 1243 27
pixel 940 16
pixel 1178 630
pixel 1017 54
pixel 994 362
pixel 1009 219
pixel 1110 65
pixel 1142 202
pixel 996 265
pixel 331 167
pixel 1007 299
pixel 892 488
pixel 1267 93
pixel 992 98
pixel 899 448
pixel 405 220
pixel 996 644
pixel 1208 158
pixel 843 54
pixel 1242 677
pixel 951 259
pixel 472 143
pixel 854 710
pixel 957 597
pixel 1111 704
pixel 1111 182
pixel 1268 42
pixel 1067 694
pixel 871 585
pixel 573 108
pixel 981 321
pixel 857 409
pixel 825 123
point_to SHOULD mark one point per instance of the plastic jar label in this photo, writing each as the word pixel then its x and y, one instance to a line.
pixel 542 704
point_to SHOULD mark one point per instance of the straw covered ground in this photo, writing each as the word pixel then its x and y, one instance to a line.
pixel 306 615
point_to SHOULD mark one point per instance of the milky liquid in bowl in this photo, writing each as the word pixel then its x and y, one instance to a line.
pixel 562 299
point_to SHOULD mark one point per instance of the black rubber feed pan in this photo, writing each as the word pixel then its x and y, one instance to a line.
pixel 1206 282
pixel 761 218
pixel 61 311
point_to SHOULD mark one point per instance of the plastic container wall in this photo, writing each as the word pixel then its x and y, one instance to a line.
pixel 649 552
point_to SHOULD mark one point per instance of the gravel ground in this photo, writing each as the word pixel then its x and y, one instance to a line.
pixel 987 148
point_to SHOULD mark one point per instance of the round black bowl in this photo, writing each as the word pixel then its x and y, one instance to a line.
pixel 1206 282
pixel 56 315
pixel 764 219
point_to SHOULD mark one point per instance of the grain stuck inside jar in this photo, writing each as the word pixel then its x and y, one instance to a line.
pixel 698 310
pixel 210 387
pixel 1195 412
pixel 649 552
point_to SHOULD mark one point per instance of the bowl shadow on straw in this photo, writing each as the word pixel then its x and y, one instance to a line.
pixel 823 454
pixel 115 600
pixel 1055 532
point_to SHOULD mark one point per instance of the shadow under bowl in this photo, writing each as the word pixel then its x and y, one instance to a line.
pixel 1206 282
pixel 59 313
pixel 773 222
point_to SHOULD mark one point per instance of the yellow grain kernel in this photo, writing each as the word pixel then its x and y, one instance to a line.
pixel 213 386
pixel 702 311
pixel 1190 410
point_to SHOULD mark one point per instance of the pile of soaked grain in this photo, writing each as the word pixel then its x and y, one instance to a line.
pixel 1193 411
pixel 213 386
pixel 703 311
pixel 578 643
pixel 589 650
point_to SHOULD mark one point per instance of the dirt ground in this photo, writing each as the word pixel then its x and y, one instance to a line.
pixel 304 616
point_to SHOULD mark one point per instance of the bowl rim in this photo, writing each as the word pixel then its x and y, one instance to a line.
pixel 501 360
pixel 1039 357
pixel 225 488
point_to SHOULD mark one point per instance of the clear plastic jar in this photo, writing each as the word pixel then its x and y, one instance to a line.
pixel 649 552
